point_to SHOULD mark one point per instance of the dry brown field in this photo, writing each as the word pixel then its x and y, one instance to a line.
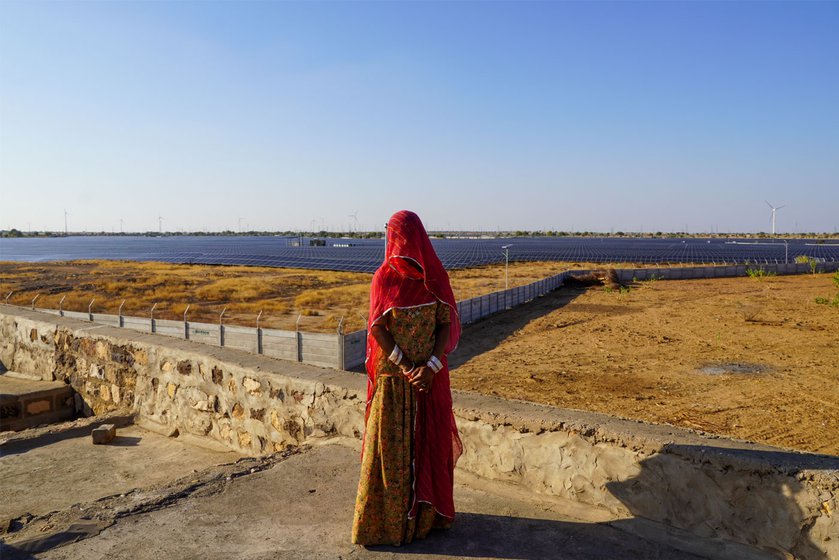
pixel 318 298
pixel 755 359
pixel 752 359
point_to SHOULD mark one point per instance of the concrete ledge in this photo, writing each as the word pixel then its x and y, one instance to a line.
pixel 26 402
pixel 781 502
pixel 768 501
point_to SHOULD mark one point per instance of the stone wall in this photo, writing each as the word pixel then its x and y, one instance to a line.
pixel 780 502
pixel 180 386
pixel 754 501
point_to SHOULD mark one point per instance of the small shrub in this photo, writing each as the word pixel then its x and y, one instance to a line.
pixel 759 273
pixel 836 279
pixel 822 300
pixel 805 259
pixel 651 280
pixel 749 311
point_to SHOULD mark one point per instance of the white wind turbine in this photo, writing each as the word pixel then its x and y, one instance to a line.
pixel 774 209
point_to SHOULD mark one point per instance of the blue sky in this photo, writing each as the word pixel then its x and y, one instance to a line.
pixel 480 115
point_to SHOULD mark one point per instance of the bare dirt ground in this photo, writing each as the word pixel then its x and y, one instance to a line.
pixel 753 359
pixel 756 359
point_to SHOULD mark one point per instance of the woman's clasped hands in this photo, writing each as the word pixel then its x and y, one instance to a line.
pixel 420 376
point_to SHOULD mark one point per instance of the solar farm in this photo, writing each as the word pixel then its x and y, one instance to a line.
pixel 365 255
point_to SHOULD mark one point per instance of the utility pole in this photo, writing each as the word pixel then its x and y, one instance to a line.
pixel 506 249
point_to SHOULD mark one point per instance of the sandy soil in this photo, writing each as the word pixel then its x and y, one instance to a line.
pixel 752 359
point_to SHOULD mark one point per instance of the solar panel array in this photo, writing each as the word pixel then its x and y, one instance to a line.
pixel 367 255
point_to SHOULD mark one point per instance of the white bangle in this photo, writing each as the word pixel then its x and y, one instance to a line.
pixel 434 363
pixel 396 355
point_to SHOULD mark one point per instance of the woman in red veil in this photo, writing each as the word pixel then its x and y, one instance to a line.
pixel 410 441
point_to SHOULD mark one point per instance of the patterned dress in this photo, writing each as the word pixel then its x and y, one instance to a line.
pixel 385 490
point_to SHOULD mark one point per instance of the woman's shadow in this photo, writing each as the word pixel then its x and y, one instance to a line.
pixel 477 535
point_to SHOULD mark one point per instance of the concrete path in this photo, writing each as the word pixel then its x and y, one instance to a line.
pixel 302 507
pixel 55 471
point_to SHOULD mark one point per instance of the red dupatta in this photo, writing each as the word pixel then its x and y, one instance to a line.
pixel 399 284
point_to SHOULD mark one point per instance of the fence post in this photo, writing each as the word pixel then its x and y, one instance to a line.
pixel 121 320
pixel 297 338
pixel 186 323
pixel 221 327
pixel 89 308
pixel 61 306
pixel 341 339
pixel 33 301
pixel 151 314
pixel 258 334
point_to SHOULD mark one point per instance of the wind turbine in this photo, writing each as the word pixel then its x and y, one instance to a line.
pixel 774 209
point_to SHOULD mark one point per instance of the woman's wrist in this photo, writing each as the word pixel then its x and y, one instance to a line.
pixel 405 368
pixel 396 355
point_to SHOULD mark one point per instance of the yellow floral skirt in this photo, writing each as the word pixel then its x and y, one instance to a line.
pixel 385 490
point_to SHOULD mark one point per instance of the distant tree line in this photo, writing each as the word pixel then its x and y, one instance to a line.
pixel 437 234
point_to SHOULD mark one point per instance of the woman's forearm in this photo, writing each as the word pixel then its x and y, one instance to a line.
pixel 441 340
pixel 384 338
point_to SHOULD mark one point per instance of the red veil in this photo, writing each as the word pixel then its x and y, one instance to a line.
pixel 436 443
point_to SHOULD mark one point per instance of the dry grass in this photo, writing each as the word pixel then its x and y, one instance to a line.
pixel 242 291
pixel 318 299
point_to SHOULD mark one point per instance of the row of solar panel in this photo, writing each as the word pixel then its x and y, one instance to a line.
pixel 366 255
